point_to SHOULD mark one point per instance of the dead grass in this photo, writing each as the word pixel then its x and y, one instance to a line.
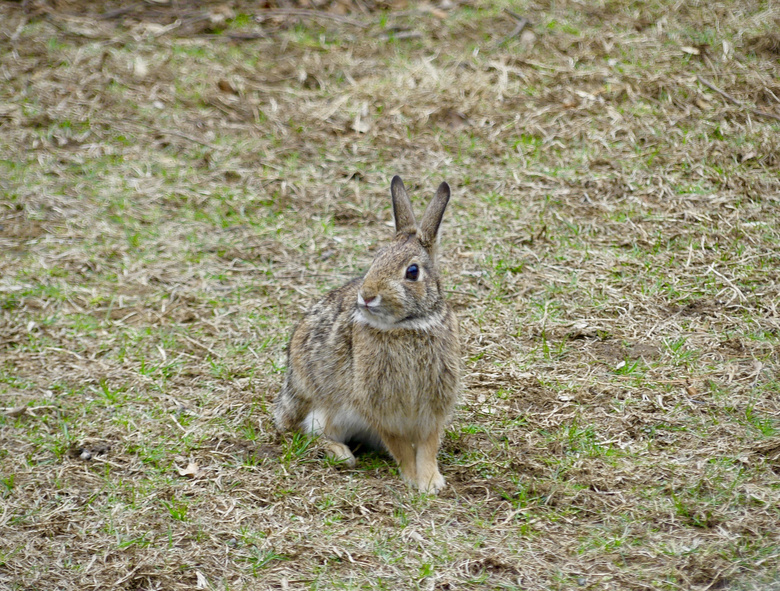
pixel 175 192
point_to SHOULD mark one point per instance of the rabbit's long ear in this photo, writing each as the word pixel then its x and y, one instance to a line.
pixel 402 208
pixel 431 220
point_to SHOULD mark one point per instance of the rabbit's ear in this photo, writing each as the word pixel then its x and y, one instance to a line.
pixel 402 208
pixel 429 227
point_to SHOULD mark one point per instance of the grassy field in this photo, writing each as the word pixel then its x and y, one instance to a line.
pixel 178 184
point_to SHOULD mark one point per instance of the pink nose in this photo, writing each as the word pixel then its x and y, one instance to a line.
pixel 369 300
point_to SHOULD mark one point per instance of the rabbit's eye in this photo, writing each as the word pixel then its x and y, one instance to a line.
pixel 412 272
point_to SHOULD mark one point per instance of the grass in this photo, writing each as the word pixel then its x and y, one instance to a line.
pixel 611 250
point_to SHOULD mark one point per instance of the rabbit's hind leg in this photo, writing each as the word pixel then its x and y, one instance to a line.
pixel 339 452
pixel 334 429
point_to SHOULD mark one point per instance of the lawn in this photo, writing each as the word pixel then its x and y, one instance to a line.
pixel 180 181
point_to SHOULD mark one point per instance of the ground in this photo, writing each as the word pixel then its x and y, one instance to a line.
pixel 178 182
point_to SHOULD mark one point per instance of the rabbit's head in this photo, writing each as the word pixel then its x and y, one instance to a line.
pixel 401 289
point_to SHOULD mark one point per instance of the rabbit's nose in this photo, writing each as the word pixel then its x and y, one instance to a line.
pixel 368 301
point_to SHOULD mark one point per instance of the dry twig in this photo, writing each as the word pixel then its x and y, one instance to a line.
pixel 734 101
pixel 522 23
pixel 399 35
pixel 177 134
pixel 313 14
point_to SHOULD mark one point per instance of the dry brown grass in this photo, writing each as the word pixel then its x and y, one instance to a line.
pixel 175 192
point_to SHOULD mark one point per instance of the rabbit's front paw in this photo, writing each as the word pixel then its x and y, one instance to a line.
pixel 433 484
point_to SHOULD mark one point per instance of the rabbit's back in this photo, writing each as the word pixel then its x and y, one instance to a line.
pixel 319 360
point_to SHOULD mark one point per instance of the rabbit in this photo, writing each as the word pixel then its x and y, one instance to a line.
pixel 378 359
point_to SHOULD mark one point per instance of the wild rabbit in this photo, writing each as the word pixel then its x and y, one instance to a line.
pixel 378 359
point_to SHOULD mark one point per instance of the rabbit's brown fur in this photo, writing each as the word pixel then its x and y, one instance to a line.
pixel 378 359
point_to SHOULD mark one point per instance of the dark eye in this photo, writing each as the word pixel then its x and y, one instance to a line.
pixel 412 272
